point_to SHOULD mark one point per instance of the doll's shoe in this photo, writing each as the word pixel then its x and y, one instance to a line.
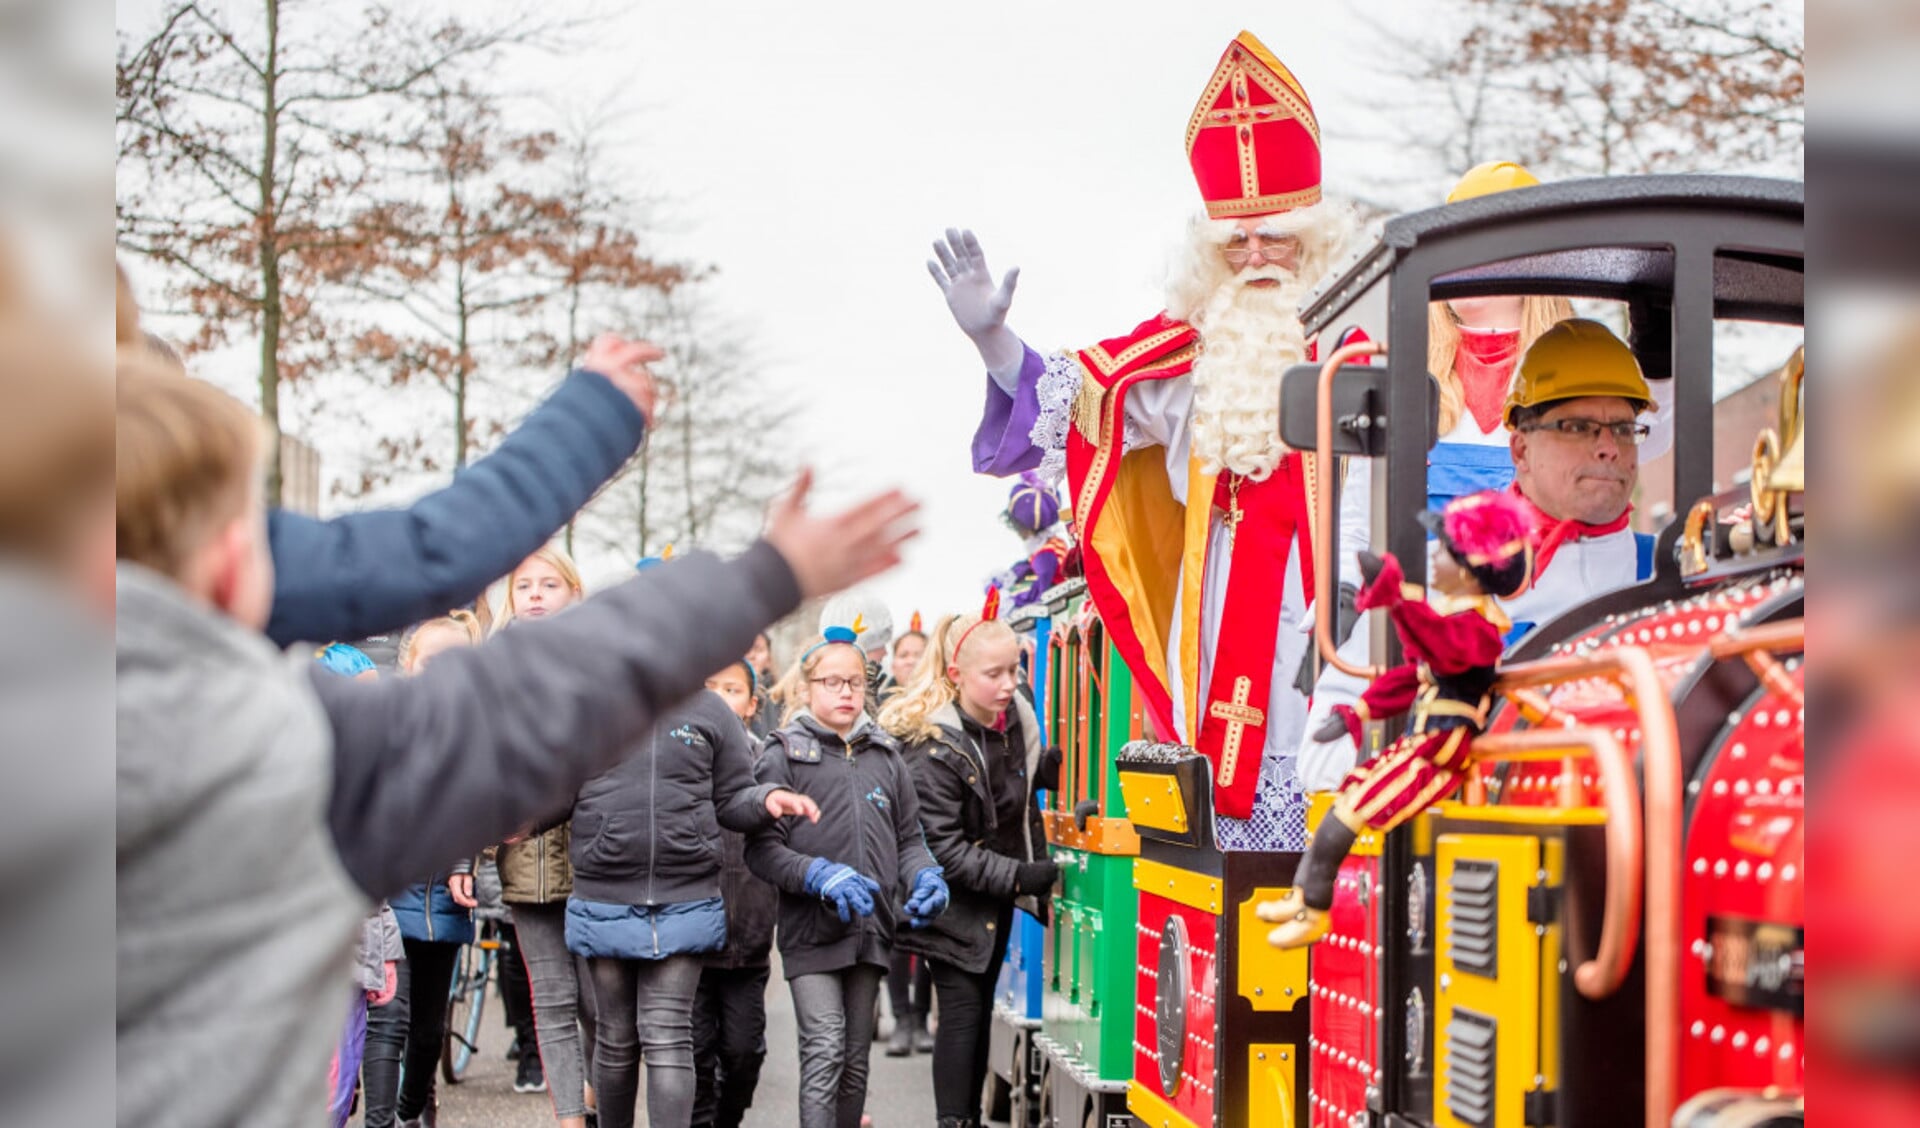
pixel 1299 923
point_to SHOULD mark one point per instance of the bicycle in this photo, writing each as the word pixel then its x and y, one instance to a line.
pixel 467 1000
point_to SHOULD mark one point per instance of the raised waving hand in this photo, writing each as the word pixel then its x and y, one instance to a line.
pixel 979 307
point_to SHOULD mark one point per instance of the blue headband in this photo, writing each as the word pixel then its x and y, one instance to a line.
pixel 830 636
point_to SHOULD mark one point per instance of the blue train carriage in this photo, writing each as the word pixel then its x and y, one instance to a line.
pixel 1607 926
pixel 1014 1065
pixel 1082 1054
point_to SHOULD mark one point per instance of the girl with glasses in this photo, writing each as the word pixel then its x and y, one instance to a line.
pixel 846 881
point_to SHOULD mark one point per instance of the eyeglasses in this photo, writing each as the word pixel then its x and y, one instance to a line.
pixel 1275 249
pixel 1625 432
pixel 837 684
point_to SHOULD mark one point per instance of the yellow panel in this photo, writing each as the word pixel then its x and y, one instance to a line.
pixel 1146 1103
pixel 1154 800
pixel 1196 890
pixel 1512 999
pixel 1366 845
pixel 1270 979
pixel 1554 861
pixel 1522 816
pixel 1270 1083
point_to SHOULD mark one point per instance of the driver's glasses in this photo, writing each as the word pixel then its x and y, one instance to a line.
pixel 836 684
pixel 1625 432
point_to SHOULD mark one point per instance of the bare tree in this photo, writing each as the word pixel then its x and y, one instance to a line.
pixel 483 236
pixel 245 138
pixel 1599 87
pixel 714 459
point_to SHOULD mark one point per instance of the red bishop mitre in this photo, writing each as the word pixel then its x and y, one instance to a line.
pixel 1253 141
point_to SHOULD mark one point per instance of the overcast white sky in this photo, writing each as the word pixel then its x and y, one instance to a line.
pixel 812 152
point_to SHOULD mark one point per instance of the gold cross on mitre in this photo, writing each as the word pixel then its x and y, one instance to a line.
pixel 1238 714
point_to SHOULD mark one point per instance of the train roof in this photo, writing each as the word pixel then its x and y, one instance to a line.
pixel 1608 237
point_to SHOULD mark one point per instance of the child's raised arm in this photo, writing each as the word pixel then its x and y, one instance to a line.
pixel 431 768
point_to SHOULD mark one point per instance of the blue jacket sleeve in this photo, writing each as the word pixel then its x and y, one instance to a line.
pixel 367 573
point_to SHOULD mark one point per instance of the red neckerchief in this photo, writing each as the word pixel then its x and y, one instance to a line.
pixel 1484 362
pixel 1549 534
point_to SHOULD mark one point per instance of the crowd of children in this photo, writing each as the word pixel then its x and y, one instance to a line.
pixel 873 814
pixel 302 851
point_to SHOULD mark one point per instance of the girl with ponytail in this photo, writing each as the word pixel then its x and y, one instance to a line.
pixel 974 750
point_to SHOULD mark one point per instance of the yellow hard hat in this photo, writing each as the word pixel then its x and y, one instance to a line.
pixel 1572 360
pixel 1493 176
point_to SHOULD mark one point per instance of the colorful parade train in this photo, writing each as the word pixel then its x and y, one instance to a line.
pixel 1607 925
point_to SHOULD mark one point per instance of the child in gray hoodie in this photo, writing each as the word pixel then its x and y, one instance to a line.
pixel 262 811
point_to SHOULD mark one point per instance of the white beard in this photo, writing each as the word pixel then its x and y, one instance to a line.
pixel 1249 337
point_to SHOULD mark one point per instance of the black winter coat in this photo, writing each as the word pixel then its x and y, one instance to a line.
pixel 958 816
pixel 869 819
pixel 648 832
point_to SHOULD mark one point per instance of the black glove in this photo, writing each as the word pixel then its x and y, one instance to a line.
pixel 1035 877
pixel 1345 618
pixel 1370 566
pixel 1333 728
pixel 1046 773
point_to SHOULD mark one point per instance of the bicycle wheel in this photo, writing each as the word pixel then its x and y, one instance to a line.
pixel 465 1005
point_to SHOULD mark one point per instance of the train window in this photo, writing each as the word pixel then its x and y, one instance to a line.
pixel 1747 358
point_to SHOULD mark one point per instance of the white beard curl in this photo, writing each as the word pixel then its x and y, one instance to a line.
pixel 1249 336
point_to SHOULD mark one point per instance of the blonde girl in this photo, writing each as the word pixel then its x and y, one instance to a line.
pixel 973 745
pixel 536 878
pixel 543 584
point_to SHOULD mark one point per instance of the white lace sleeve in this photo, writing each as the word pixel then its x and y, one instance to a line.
pixel 1057 391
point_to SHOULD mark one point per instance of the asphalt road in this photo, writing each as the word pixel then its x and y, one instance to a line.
pixel 899 1093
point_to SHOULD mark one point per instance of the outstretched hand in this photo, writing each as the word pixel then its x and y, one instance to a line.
pixel 831 553
pixel 979 308
pixel 624 364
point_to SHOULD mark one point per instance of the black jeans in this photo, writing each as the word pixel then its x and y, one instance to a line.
pixel 966 1024
pixel 909 985
pixel 386 1042
pixel 430 963
pixel 516 991
pixel 729 1043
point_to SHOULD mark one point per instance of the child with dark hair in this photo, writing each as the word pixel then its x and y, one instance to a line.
pixel 730 1005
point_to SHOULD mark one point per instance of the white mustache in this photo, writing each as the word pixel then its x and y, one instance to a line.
pixel 1266 271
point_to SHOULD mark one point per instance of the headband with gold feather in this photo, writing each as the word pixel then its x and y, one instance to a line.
pixel 847 635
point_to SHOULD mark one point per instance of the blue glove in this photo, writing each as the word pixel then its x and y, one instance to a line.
pixel 848 890
pixel 929 898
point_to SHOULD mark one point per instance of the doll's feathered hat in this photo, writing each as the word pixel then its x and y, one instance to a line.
pixel 1490 534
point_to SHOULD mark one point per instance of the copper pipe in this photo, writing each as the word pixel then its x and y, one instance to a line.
pixel 1758 645
pixel 1773 674
pixel 1634 668
pixel 1537 709
pixel 1665 795
pixel 1602 975
pixel 1788 637
pixel 1323 508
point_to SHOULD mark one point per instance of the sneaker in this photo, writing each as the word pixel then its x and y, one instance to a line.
pixel 922 1038
pixel 900 1042
pixel 530 1077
